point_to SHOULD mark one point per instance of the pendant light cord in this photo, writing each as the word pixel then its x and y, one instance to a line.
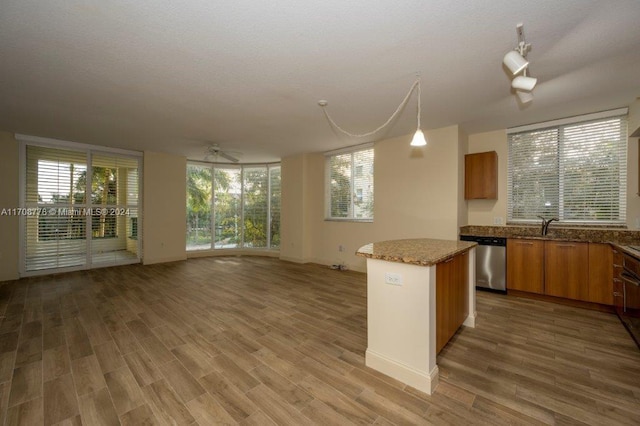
pixel 323 104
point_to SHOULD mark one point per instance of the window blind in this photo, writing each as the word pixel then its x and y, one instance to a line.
pixel 576 172
pixel 275 191
pixel 349 185
pixel 81 208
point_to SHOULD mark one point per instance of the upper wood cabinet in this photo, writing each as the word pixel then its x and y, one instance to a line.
pixel 481 176
pixel 525 265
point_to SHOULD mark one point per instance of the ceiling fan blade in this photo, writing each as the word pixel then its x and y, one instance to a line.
pixel 228 157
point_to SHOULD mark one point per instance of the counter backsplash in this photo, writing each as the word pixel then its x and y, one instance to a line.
pixel 594 235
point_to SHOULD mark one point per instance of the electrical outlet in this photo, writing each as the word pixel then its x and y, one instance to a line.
pixel 497 220
pixel 392 278
pixel 340 247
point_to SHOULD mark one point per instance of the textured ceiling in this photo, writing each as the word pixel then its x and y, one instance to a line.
pixel 169 76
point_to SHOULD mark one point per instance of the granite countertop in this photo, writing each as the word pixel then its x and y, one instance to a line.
pixel 419 251
pixel 557 233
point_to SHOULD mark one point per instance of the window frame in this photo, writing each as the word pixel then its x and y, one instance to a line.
pixel 93 249
pixel 269 167
pixel 561 146
pixel 354 174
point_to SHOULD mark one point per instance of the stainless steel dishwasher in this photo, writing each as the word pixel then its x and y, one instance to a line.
pixel 491 262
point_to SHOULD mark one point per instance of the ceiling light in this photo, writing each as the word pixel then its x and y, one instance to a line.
pixel 524 83
pixel 524 97
pixel 515 62
pixel 418 137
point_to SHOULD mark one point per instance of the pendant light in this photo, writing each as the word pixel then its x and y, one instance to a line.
pixel 418 138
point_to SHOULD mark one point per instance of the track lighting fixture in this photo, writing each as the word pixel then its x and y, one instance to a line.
pixel 418 137
pixel 516 62
pixel 524 83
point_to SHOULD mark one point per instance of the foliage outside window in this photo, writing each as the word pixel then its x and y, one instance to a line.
pixel 83 204
pixel 576 172
pixel 232 207
pixel 349 185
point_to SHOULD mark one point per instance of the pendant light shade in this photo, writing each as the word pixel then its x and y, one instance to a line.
pixel 418 139
pixel 515 62
pixel 524 83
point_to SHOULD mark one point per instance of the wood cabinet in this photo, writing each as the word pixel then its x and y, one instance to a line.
pixel 571 270
pixel 481 176
pixel 617 283
pixel 525 265
pixel 452 297
pixel 600 274
pixel 565 269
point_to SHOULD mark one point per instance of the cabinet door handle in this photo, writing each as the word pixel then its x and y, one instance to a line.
pixel 566 245
pixel 615 265
pixel 617 280
pixel 448 260
pixel 524 243
pixel 617 294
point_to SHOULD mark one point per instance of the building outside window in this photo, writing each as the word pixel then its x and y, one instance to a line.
pixel 349 184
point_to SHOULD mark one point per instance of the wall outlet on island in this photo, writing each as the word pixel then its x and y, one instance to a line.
pixel 341 248
pixel 497 220
pixel 392 278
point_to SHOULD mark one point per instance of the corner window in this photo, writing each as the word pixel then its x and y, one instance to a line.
pixel 349 184
pixel 575 171
pixel 230 206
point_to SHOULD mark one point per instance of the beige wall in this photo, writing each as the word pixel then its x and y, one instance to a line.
pixel 9 187
pixel 415 192
pixel 483 212
pixel 164 212
pixel 633 199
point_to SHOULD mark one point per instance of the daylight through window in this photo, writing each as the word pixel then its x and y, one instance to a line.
pixel 576 172
pixel 230 207
pixel 349 184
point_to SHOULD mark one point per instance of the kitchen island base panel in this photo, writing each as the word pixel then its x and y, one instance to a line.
pixel 401 320
pixel 425 382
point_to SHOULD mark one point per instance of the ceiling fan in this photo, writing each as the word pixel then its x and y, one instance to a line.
pixel 213 153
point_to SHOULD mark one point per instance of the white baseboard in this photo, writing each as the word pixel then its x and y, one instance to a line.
pixel 146 261
pixel 422 380
pixel 470 321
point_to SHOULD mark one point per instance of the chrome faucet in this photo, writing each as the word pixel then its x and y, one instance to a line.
pixel 545 224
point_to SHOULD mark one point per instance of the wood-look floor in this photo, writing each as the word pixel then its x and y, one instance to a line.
pixel 257 341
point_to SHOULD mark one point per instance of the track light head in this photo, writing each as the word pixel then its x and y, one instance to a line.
pixel 524 97
pixel 524 83
pixel 515 62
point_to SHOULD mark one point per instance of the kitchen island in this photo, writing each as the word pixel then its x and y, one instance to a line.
pixel 419 291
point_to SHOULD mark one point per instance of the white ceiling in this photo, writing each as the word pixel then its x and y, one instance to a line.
pixel 167 76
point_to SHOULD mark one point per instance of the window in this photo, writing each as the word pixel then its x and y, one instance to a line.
pixel 231 206
pixel 574 170
pixel 81 206
pixel 349 184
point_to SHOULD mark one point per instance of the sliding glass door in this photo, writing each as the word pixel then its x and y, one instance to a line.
pixel 80 209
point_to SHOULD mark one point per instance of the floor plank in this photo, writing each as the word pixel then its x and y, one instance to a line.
pixel 258 341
